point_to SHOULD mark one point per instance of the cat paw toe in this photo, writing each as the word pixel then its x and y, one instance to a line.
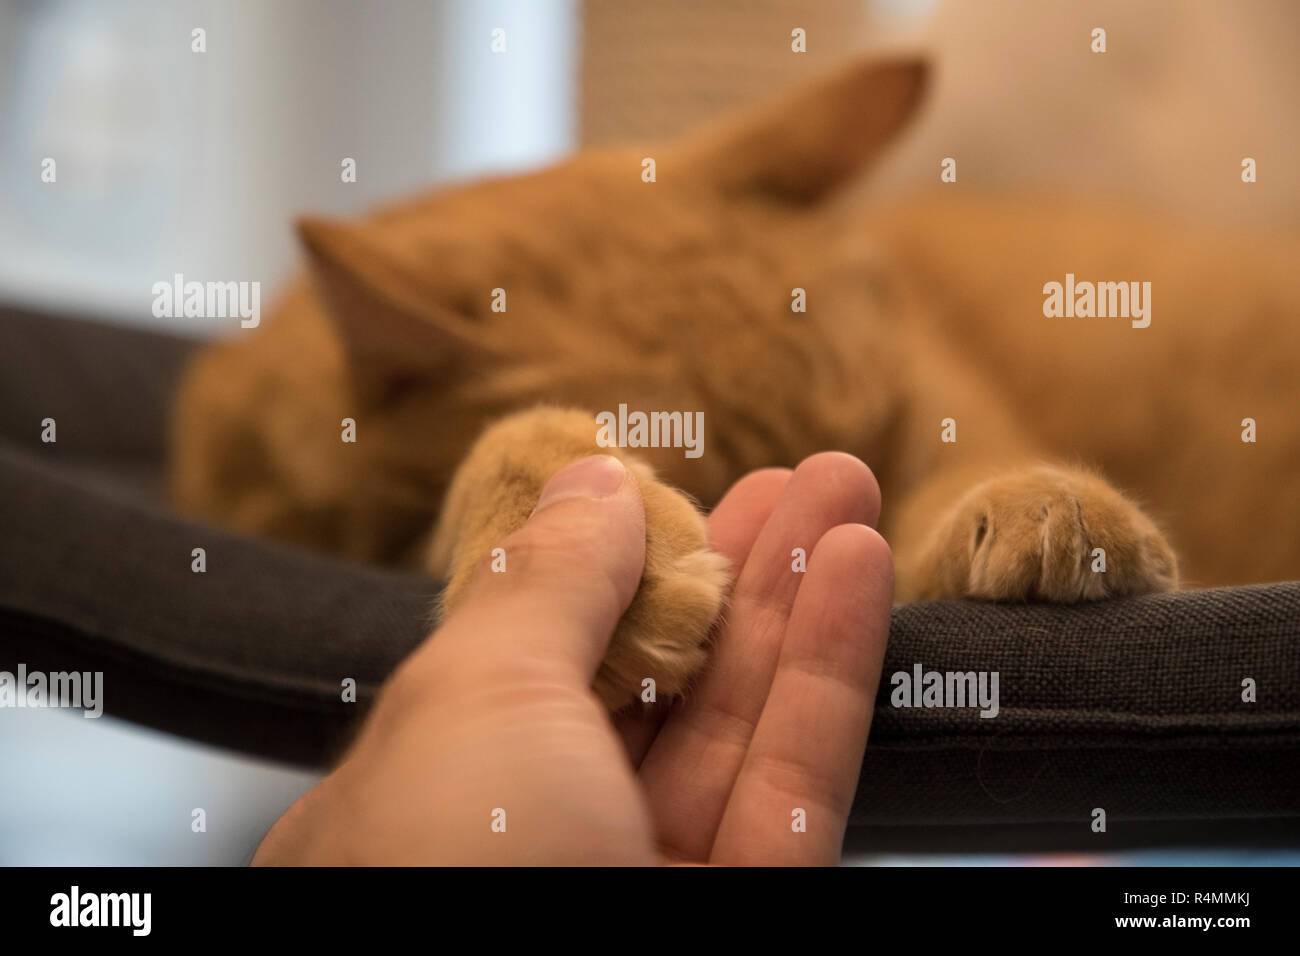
pixel 664 633
pixel 1052 535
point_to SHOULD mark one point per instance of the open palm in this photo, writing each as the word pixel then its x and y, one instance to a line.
pixel 775 733
pixel 488 746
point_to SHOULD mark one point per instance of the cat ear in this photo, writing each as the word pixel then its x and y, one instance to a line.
pixel 385 306
pixel 806 143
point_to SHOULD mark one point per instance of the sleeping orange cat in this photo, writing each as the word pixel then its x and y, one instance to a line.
pixel 473 336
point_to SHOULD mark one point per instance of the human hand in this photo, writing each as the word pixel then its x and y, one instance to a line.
pixel 487 745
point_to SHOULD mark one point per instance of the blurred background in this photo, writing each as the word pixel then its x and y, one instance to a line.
pixel 171 161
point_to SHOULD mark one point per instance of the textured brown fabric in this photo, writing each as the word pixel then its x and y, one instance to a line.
pixel 251 654
pixel 1132 706
pixel 106 386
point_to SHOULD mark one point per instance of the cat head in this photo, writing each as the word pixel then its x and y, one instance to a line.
pixel 665 278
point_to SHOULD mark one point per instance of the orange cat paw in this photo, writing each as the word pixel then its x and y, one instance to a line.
pixel 1047 534
pixel 662 636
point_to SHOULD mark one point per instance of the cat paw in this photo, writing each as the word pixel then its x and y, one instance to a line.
pixel 1048 534
pixel 664 633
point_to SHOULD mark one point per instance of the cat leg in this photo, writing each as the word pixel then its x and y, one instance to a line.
pixel 1037 532
pixel 662 635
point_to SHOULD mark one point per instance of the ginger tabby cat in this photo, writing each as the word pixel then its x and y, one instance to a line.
pixel 676 295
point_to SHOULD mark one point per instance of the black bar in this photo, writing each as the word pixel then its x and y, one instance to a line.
pixel 459 909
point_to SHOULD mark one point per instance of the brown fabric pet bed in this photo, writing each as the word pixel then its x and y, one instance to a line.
pixel 1133 706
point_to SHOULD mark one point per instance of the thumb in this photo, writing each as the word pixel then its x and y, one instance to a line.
pixel 571 571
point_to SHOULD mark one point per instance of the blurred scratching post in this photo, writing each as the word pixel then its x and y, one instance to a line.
pixel 652 70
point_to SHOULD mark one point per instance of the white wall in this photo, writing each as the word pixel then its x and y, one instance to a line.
pixel 172 161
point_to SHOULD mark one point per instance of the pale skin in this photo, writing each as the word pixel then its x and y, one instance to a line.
pixel 495 712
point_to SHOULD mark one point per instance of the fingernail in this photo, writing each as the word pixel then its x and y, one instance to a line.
pixel 596 477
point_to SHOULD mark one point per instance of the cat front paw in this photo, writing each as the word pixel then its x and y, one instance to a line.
pixel 1048 534
pixel 664 633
